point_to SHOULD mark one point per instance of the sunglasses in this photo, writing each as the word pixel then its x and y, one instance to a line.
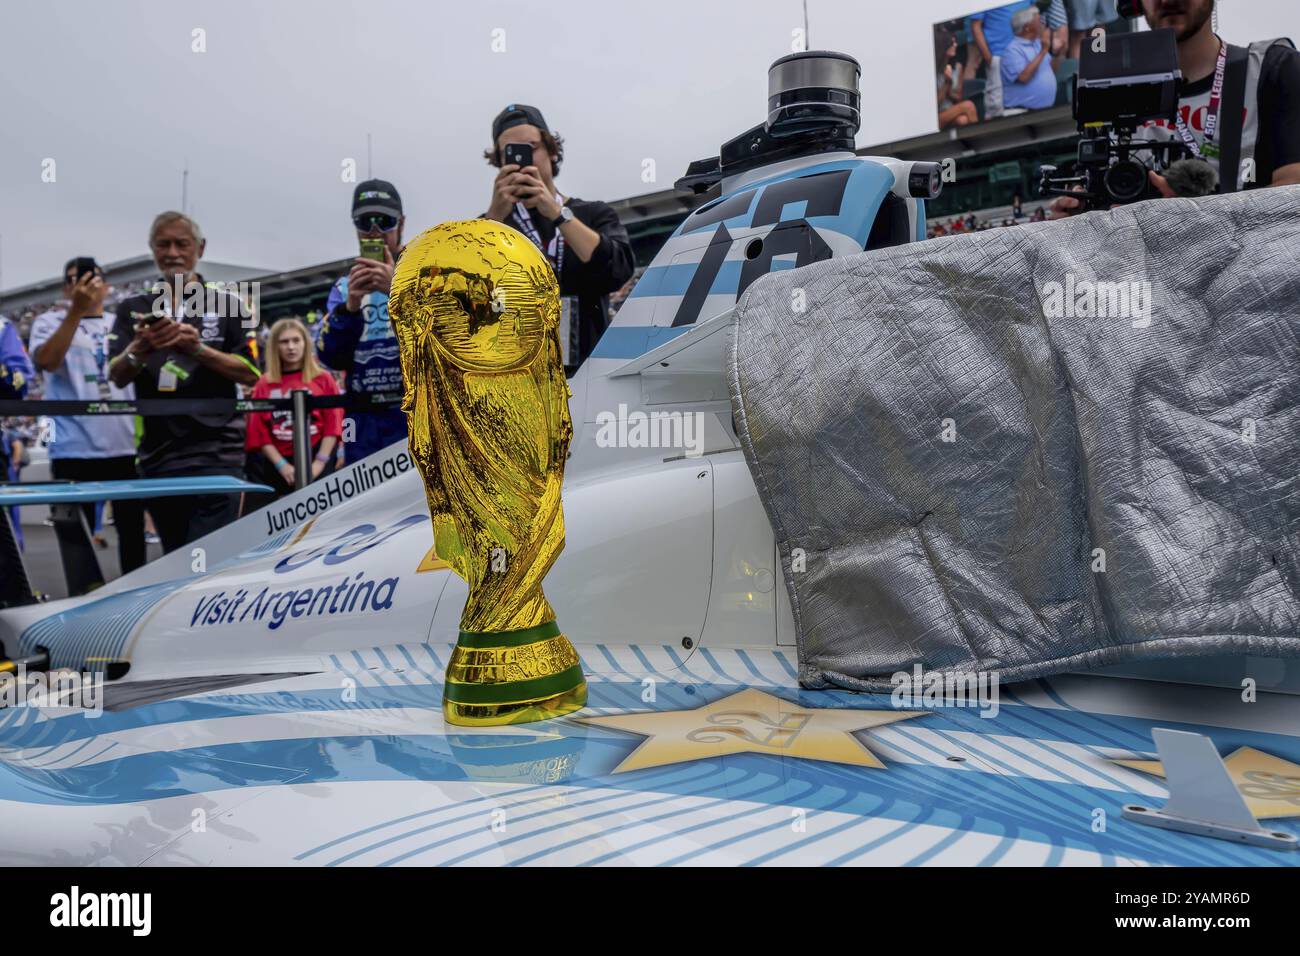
pixel 375 220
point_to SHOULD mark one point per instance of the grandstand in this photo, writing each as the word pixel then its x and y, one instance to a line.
pixel 996 160
pixel 126 276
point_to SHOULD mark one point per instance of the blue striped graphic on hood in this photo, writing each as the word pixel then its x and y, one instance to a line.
pixel 88 635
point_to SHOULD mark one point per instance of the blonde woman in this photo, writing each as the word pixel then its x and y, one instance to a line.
pixel 290 364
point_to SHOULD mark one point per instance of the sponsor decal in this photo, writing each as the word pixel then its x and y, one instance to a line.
pixel 354 593
pixel 273 605
pixel 334 490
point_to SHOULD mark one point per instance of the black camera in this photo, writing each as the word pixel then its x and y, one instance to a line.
pixel 812 107
pixel 1127 80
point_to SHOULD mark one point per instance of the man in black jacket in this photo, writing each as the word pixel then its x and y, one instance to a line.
pixel 584 240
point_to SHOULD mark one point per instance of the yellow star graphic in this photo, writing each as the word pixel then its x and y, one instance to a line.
pixel 431 562
pixel 1270 784
pixel 750 721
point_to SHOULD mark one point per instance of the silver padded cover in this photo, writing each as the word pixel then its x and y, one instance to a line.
pixel 950 453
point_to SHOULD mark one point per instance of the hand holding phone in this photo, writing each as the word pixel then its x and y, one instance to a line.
pixel 518 154
pixel 82 266
pixel 87 295
pixel 372 272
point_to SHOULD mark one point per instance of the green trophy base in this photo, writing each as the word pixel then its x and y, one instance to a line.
pixel 512 677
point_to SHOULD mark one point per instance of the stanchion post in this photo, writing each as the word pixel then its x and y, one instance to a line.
pixel 301 439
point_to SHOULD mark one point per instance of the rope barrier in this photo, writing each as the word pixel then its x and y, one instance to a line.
pixel 153 407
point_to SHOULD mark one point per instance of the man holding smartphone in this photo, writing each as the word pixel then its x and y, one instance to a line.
pixel 356 337
pixel 584 240
pixel 172 346
pixel 69 344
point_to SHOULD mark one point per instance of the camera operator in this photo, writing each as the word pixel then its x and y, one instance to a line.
pixel 1263 79
pixel 584 240
pixel 69 344
pixel 172 346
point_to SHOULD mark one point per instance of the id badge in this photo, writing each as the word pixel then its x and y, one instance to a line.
pixel 568 329
pixel 166 379
pixel 105 388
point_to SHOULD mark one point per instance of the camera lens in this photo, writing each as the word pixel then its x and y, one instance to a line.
pixel 1126 181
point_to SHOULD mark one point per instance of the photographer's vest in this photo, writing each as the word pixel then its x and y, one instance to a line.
pixel 1233 148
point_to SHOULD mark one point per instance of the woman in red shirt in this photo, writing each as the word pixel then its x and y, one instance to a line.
pixel 290 364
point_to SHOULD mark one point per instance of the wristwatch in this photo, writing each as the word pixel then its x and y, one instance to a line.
pixel 133 360
pixel 566 215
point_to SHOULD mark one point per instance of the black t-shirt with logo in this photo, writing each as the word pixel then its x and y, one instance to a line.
pixel 196 444
pixel 1278 136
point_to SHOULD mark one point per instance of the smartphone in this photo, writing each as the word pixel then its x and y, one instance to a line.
pixel 82 265
pixel 521 154
pixel 372 249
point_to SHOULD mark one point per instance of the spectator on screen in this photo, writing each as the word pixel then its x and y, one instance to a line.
pixel 69 344
pixel 290 365
pixel 953 110
pixel 1027 78
pixel 991 33
pixel 356 336
pixel 1057 34
pixel 172 346
pixel 1086 15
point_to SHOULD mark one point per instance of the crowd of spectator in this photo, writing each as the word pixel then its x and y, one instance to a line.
pixel 155 340
pixel 1009 58
pixel 971 222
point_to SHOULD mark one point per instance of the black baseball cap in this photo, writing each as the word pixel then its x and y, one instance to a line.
pixel 376 195
pixel 517 114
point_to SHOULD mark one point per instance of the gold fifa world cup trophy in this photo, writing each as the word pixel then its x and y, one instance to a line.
pixel 476 309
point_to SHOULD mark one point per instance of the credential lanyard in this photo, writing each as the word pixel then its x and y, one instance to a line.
pixel 555 249
pixel 1211 109
pixel 555 254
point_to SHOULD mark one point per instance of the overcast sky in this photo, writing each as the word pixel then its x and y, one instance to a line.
pixel 287 91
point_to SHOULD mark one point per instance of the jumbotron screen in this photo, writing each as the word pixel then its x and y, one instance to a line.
pixel 1014 58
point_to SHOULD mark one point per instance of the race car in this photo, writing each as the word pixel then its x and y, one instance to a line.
pixel 272 695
